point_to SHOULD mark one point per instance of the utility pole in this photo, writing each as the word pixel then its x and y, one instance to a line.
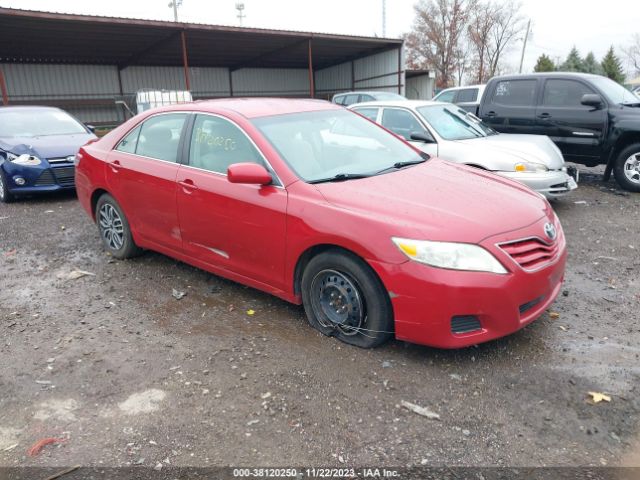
pixel 175 4
pixel 524 45
pixel 240 8
pixel 384 18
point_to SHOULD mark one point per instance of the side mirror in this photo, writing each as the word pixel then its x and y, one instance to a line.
pixel 91 128
pixel 591 100
pixel 248 173
pixel 421 137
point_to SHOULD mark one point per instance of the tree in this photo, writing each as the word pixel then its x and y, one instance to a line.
pixel 544 64
pixel 612 66
pixel 632 52
pixel 591 65
pixel 574 62
pixel 481 23
pixel 436 35
pixel 508 25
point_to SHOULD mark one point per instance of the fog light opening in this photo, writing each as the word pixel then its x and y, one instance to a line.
pixel 19 181
pixel 465 324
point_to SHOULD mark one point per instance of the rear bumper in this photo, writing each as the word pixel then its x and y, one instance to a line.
pixel 551 184
pixel 428 302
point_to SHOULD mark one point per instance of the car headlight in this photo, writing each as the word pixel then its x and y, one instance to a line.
pixel 455 256
pixel 530 167
pixel 24 159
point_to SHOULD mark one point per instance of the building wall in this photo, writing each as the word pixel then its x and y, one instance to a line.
pixel 420 87
pixel 375 72
pixel 90 91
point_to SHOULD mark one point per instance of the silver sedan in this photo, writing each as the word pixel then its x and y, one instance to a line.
pixel 449 132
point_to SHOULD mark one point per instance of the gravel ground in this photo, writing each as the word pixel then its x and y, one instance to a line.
pixel 128 375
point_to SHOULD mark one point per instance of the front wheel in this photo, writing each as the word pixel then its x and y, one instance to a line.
pixel 114 228
pixel 626 170
pixel 343 297
pixel 5 195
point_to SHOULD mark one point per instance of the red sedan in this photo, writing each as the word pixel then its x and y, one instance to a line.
pixel 318 205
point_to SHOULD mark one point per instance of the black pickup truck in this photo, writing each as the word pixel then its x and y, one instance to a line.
pixel 592 119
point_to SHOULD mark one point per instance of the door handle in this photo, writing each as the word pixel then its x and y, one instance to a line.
pixel 187 185
pixel 491 114
pixel 544 116
pixel 115 166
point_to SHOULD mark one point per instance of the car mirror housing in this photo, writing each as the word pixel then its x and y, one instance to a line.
pixel 248 173
pixel 421 137
pixel 591 100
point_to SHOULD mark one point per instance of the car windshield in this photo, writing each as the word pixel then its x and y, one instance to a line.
pixel 614 92
pixel 453 123
pixel 38 123
pixel 334 143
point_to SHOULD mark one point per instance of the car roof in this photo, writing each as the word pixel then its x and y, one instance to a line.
pixel 256 107
pixel 482 85
pixel 365 92
pixel 399 103
pixel 27 108
pixel 546 74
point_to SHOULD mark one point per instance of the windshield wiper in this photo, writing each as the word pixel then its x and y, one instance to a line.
pixel 399 165
pixel 339 177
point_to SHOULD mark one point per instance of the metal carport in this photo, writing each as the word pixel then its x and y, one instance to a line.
pixel 85 63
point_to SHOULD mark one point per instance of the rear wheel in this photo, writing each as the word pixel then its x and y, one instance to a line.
pixel 627 168
pixel 114 228
pixel 343 297
pixel 5 195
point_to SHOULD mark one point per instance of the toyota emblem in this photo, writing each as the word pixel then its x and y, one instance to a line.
pixel 550 231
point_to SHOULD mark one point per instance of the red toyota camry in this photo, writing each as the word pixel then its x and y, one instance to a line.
pixel 320 206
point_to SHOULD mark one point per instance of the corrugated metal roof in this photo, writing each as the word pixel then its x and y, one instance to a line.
pixel 32 36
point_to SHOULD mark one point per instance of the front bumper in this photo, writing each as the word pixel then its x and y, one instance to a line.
pixel 39 179
pixel 551 184
pixel 428 301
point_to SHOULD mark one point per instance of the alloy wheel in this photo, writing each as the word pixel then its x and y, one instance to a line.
pixel 632 168
pixel 111 226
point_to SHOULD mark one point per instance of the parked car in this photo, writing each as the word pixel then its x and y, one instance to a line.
pixel 37 150
pixel 317 205
pixel 348 98
pixel 449 132
pixel 465 97
pixel 593 119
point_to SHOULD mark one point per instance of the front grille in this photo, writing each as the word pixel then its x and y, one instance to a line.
pixel 65 175
pixel 45 179
pixel 531 253
pixel 525 307
pixel 465 324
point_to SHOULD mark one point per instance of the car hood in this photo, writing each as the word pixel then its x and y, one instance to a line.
pixel 441 201
pixel 50 146
pixel 513 148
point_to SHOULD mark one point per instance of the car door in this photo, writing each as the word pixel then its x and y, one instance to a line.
pixel 141 175
pixel 403 122
pixel 467 99
pixel 577 129
pixel 511 106
pixel 236 227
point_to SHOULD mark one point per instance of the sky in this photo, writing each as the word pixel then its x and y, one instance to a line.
pixel 557 25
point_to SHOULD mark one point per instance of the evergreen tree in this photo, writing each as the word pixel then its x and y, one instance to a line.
pixel 544 64
pixel 591 65
pixel 612 66
pixel 574 62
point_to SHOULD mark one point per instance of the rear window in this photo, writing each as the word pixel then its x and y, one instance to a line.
pixel 514 93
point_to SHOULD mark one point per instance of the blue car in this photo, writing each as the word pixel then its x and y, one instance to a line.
pixel 37 150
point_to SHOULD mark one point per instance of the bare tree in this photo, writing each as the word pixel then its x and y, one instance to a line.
pixel 481 25
pixel 508 25
pixel 435 39
pixel 632 52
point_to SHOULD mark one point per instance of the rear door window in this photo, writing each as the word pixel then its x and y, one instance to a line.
pixel 339 100
pixel 467 95
pixel 370 113
pixel 564 93
pixel 350 99
pixel 446 96
pixel 366 98
pixel 515 93
pixel 160 136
